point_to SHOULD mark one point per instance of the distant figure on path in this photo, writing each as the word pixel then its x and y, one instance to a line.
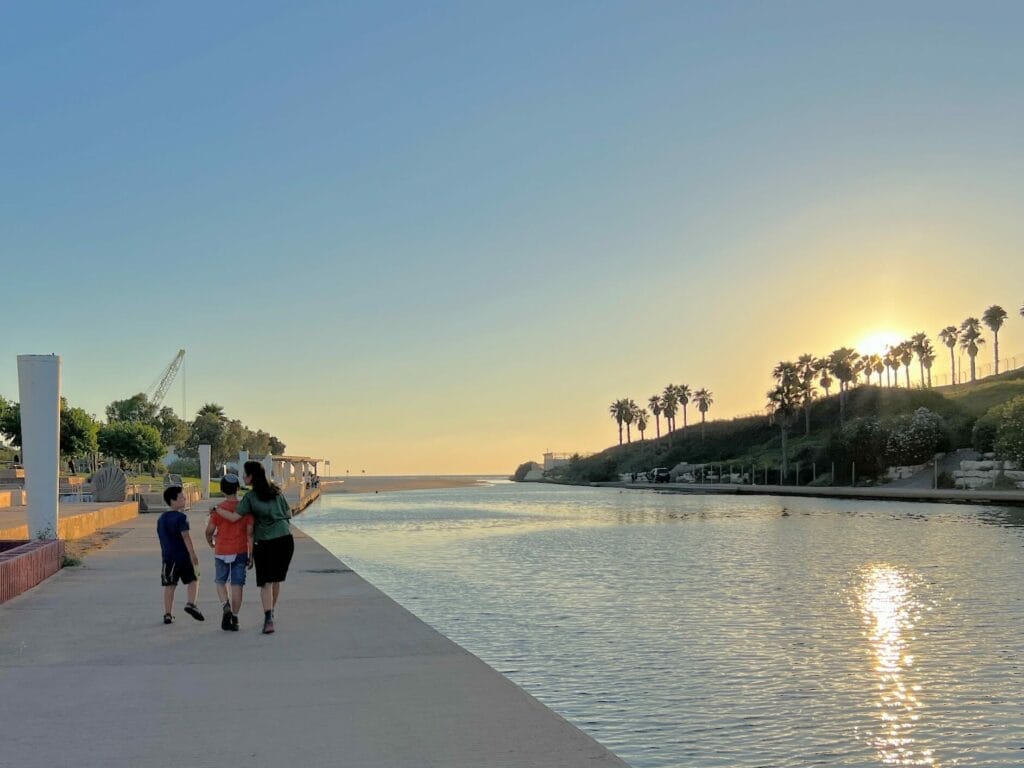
pixel 232 551
pixel 274 545
pixel 177 554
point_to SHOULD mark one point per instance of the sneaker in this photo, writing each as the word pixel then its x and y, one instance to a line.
pixel 192 610
pixel 225 621
pixel 168 618
pixel 234 623
pixel 268 627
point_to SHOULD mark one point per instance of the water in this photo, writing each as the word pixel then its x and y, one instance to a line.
pixel 716 631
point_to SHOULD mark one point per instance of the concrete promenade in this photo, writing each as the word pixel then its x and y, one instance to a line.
pixel 89 676
pixel 880 493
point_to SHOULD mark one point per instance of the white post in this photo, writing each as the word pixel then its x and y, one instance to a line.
pixel 204 471
pixel 243 456
pixel 39 392
pixel 268 467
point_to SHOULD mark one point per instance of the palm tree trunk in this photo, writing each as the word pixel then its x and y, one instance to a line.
pixel 657 425
pixel 996 345
pixel 921 363
pixel 906 370
pixel 629 438
pixel 620 433
pixel 701 424
pixel 807 420
pixel 952 367
pixel 973 376
pixel 785 465
pixel 684 417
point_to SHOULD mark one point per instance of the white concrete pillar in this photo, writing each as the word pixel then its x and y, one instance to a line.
pixel 268 467
pixel 204 471
pixel 243 456
pixel 39 393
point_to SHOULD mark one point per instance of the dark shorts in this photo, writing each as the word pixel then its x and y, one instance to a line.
pixel 171 573
pixel 272 558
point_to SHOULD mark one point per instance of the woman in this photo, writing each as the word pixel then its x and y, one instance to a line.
pixel 274 545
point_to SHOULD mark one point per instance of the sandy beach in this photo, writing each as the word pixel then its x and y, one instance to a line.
pixel 383 484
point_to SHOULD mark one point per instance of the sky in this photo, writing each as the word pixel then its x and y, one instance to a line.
pixel 441 238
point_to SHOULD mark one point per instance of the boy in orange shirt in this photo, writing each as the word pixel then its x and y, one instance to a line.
pixel 232 551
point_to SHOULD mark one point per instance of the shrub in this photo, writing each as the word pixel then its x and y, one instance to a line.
pixel 1009 442
pixel 916 438
pixel 946 480
pixel 184 467
pixel 862 442
pixel 983 436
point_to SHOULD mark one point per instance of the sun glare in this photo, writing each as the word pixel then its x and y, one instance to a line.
pixel 877 342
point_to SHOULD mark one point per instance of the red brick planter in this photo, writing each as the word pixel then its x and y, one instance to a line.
pixel 23 564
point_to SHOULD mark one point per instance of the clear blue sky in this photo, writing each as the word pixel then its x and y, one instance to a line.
pixel 442 239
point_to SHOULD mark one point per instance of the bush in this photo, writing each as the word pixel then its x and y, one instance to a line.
pixel 1009 442
pixel 946 480
pixel 184 467
pixel 916 438
pixel 983 436
pixel 862 442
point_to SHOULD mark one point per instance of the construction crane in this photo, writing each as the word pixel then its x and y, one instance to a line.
pixel 156 393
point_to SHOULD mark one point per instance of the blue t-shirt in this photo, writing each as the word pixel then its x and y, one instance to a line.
pixel 169 528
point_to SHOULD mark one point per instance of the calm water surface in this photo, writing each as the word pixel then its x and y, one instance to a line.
pixel 717 631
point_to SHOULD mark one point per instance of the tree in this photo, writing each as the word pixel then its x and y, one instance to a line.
pixel 927 356
pixel 821 365
pixel 917 344
pixel 208 429
pixel 131 442
pixel 654 403
pixel 669 407
pixel 1009 442
pixel 10 422
pixel 212 409
pixel 135 408
pixel 276 446
pixel 784 404
pixel 173 430
pixel 628 417
pixel 806 371
pixel 78 432
pixel 906 352
pixel 683 395
pixel 861 442
pixel 878 365
pixel 994 317
pixel 641 421
pixel 971 340
pixel 867 367
pixel 704 399
pixel 844 364
pixel 949 336
pixel 894 362
pixel 617 410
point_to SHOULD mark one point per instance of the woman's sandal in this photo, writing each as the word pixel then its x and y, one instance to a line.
pixel 193 611
pixel 168 618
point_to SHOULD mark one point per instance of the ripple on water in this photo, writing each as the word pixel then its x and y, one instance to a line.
pixel 702 631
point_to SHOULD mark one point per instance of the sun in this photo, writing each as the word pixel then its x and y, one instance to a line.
pixel 877 342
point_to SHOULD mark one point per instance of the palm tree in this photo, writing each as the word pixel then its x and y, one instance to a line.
pixel 971 340
pixel 628 416
pixel 867 367
pixel 927 356
pixel 704 400
pixel 949 336
pixel 994 317
pixel 895 362
pixel 618 412
pixel 806 370
pixel 669 406
pixel 878 366
pixel 783 402
pixel 683 395
pixel 641 421
pixel 917 342
pixel 843 364
pixel 821 364
pixel 654 403
pixel 906 351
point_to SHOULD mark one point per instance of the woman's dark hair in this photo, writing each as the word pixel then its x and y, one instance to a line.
pixel 263 488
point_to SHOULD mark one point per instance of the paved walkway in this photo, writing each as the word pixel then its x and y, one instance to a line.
pixel 89 676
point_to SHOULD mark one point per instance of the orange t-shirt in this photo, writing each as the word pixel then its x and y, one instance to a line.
pixel 231 536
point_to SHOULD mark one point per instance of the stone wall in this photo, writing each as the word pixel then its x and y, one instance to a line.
pixel 985 474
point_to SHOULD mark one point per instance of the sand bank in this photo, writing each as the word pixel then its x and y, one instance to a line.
pixel 383 484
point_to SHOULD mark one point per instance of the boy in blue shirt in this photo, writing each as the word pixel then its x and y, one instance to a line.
pixel 177 554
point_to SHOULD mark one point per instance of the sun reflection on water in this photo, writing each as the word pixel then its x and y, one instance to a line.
pixel 890 610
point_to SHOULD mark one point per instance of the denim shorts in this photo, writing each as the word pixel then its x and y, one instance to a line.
pixel 234 570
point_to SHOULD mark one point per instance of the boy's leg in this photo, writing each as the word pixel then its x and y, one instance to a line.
pixel 193 590
pixel 236 598
pixel 222 593
pixel 168 598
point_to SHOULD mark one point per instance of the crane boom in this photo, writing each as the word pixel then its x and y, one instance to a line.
pixel 167 379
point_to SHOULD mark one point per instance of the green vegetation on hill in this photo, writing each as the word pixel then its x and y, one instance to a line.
pixel 756 441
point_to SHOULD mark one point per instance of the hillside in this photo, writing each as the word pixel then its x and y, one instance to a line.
pixel 753 440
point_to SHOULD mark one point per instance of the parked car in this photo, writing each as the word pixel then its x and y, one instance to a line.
pixel 659 475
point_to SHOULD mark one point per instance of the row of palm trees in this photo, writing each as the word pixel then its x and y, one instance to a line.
pixel 667 403
pixel 794 388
